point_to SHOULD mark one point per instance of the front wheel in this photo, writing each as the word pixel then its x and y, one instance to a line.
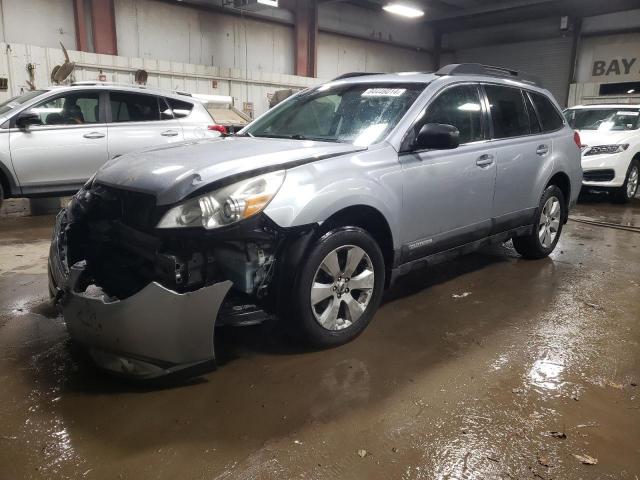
pixel 338 288
pixel 629 188
pixel 547 226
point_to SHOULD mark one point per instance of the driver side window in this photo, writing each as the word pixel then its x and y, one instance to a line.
pixel 458 106
pixel 71 109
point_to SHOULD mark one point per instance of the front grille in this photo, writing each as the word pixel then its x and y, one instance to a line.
pixel 136 209
pixel 599 175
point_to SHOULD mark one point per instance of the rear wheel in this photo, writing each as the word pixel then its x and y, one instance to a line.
pixel 338 289
pixel 547 227
pixel 630 186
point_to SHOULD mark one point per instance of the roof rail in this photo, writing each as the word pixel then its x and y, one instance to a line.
pixel 355 74
pixel 128 85
pixel 98 82
pixel 487 70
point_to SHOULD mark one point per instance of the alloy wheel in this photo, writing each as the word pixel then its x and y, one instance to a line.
pixel 549 223
pixel 632 182
pixel 342 287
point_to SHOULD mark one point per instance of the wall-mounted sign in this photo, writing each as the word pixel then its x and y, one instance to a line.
pixel 609 59
pixel 615 67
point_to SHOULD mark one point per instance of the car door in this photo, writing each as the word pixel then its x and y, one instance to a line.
pixel 448 194
pixel 522 154
pixel 69 145
pixel 139 120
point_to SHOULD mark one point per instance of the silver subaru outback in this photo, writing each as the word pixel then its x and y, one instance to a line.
pixel 309 213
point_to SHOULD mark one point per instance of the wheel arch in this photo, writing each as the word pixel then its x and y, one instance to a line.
pixel 6 182
pixel 368 218
pixel 562 181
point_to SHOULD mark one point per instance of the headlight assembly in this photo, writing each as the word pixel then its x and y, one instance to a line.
pixel 605 149
pixel 226 205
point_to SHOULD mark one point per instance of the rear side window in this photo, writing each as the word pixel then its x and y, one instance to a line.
pixel 460 107
pixel 180 109
pixel 549 116
pixel 508 111
pixel 133 107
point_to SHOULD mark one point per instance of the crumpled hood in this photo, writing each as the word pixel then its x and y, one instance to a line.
pixel 174 171
pixel 598 137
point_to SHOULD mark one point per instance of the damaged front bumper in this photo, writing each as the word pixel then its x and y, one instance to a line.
pixel 152 333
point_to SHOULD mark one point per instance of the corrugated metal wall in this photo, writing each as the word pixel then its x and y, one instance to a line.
pixel 548 59
pixel 151 29
pixel 338 54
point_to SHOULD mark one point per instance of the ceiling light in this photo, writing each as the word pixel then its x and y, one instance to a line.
pixel 403 10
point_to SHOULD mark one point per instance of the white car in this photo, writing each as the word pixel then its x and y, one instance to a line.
pixel 52 140
pixel 610 136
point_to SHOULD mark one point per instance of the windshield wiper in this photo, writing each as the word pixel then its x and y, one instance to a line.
pixel 299 136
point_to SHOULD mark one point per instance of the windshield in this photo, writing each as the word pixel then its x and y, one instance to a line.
pixel 19 100
pixel 603 119
pixel 361 113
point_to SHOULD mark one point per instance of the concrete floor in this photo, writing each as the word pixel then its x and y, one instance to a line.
pixel 441 385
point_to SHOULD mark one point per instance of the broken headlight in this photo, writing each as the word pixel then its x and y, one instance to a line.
pixel 226 205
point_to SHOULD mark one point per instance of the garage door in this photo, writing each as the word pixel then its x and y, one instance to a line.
pixel 549 60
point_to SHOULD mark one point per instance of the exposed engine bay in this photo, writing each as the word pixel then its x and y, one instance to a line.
pixel 113 232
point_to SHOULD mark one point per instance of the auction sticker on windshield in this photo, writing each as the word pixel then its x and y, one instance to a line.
pixel 383 92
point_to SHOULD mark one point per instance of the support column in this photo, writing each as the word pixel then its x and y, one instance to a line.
pixel 103 24
pixel 82 40
pixel 306 32
pixel 575 47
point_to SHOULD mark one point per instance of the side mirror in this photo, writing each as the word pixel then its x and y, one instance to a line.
pixel 25 119
pixel 437 136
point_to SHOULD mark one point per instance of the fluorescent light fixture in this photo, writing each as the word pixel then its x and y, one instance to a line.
pixel 403 10
pixel 271 3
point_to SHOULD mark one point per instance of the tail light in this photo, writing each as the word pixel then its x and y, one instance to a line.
pixel 576 138
pixel 218 128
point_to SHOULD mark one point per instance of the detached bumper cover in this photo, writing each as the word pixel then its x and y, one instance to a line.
pixel 150 334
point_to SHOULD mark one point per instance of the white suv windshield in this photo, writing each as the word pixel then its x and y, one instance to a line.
pixel 19 100
pixel 359 113
pixel 603 119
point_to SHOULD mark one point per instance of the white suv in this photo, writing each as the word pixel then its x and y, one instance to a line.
pixel 53 140
pixel 610 136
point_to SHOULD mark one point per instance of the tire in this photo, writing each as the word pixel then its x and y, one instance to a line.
pixel 629 188
pixel 548 221
pixel 335 315
pixel 1 194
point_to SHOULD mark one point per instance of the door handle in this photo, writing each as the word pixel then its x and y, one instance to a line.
pixel 484 160
pixel 542 150
pixel 93 135
pixel 169 133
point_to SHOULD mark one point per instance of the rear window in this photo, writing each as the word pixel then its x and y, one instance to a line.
pixel 549 116
pixel 180 109
pixel 508 111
